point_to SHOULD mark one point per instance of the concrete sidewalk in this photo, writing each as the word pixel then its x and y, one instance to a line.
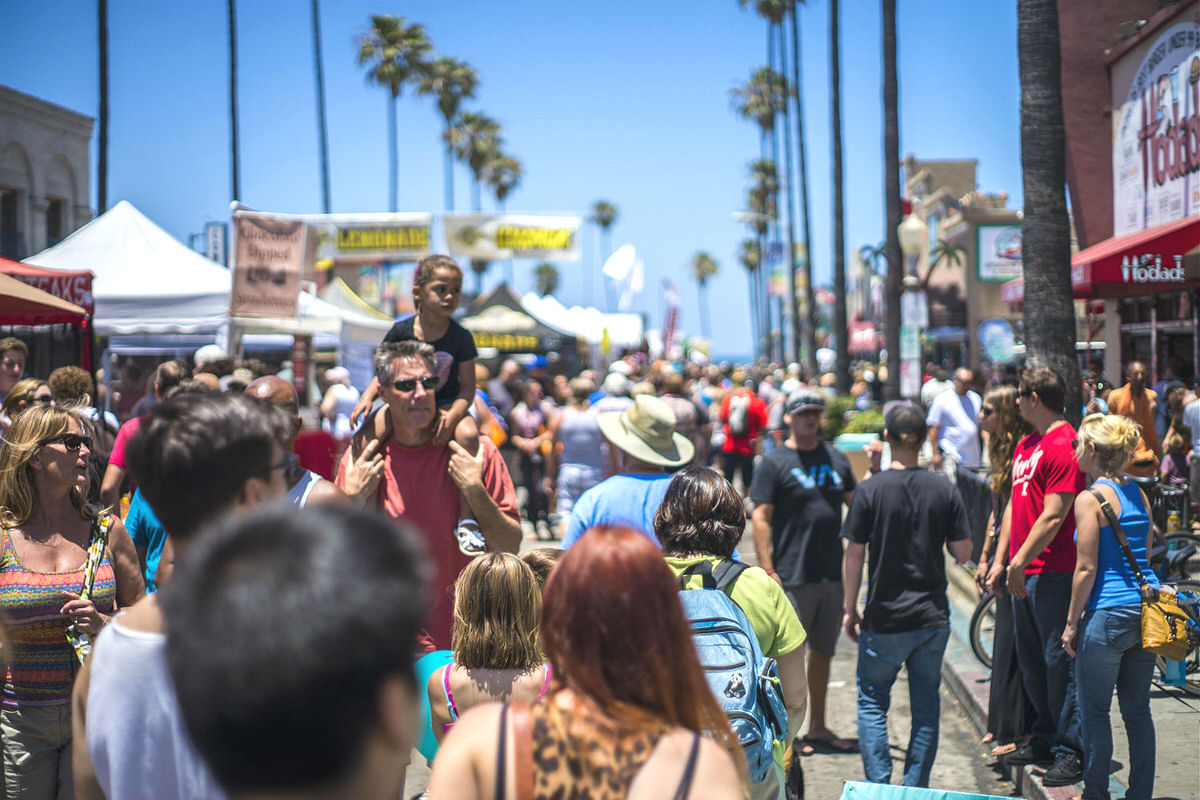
pixel 1176 716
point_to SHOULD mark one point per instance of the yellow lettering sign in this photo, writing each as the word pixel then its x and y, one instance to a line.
pixel 408 237
pixel 506 342
pixel 509 237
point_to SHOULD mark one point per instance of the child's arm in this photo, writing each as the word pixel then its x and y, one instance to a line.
pixel 458 409
pixel 365 401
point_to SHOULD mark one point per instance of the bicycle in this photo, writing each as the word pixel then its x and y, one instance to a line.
pixel 983 629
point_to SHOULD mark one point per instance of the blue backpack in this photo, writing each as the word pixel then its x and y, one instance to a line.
pixel 746 684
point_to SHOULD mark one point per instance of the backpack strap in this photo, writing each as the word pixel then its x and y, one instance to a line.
pixel 721 577
pixel 1111 516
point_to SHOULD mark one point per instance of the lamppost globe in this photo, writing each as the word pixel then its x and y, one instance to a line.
pixel 912 231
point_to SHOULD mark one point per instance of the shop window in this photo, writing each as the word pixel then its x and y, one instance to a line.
pixel 10 234
pixel 56 221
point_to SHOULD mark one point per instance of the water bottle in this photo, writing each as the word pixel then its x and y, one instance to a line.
pixel 1175 673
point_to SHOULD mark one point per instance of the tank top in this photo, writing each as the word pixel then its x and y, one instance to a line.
pixel 41 665
pixel 345 397
pixel 581 438
pixel 298 494
pixel 1115 583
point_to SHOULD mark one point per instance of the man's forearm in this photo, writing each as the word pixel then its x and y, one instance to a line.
pixel 852 566
pixel 1045 528
pixel 501 532
pixel 761 528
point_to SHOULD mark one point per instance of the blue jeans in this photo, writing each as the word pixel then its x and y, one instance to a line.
pixel 1046 670
pixel 880 656
pixel 1110 655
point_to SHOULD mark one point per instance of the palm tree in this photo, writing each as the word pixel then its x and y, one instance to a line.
pixel 475 140
pixel 604 215
pixel 891 192
pixel 763 201
pixel 451 82
pixel 750 257
pixel 953 254
pixel 1049 308
pixel 841 327
pixel 233 102
pixel 394 53
pixel 810 300
pixel 703 267
pixel 479 266
pixel 503 174
pixel 546 275
pixel 102 122
pixel 322 129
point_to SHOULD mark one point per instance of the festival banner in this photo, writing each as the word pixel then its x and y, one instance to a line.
pixel 998 252
pixel 371 238
pixel 496 236
pixel 270 251
pixel 1156 143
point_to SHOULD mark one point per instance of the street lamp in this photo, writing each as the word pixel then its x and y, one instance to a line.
pixel 914 312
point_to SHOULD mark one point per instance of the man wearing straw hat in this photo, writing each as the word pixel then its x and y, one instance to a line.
pixel 643 446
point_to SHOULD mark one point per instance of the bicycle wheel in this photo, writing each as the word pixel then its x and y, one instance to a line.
pixel 1191 664
pixel 1189 570
pixel 983 629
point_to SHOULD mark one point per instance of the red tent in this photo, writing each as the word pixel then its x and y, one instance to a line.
pixel 72 288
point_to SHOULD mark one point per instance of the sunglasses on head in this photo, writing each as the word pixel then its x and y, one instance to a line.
pixel 410 384
pixel 71 441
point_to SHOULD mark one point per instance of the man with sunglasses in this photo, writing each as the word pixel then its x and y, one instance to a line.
pixel 1041 521
pixel 304 486
pixel 419 480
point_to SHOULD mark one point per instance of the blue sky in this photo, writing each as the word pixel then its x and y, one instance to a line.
pixel 625 101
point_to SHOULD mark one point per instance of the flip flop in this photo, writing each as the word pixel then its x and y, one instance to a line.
pixel 828 743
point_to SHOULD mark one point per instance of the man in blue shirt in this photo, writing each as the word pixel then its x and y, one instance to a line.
pixel 643 445
pixel 148 537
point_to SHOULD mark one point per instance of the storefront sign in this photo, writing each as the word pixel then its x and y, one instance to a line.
pixel 494 236
pixel 998 252
pixel 269 253
pixel 1156 147
pixel 1148 268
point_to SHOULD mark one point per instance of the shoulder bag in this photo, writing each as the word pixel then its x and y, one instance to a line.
pixel 1167 630
pixel 81 643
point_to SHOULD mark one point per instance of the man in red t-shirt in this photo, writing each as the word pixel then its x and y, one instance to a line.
pixel 1040 523
pixel 743 415
pixel 419 481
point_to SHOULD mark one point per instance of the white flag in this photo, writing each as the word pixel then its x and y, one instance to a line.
pixel 620 263
pixel 634 283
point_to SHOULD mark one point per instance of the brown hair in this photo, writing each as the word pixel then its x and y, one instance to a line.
pixel 542 560
pixel 1048 385
pixel 1177 440
pixel 23 391
pixel 1002 443
pixel 168 375
pixel 71 386
pixel 427 269
pixel 13 343
pixel 701 513
pixel 497 602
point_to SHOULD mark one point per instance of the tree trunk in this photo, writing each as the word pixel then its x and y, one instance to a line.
pixel 322 127
pixel 789 260
pixel 393 156
pixel 764 272
pixel 704 321
pixel 810 301
pixel 449 179
pixel 840 325
pixel 102 155
pixel 1049 308
pixel 891 192
pixel 233 103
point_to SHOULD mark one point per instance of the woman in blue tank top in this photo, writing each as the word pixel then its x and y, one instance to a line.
pixel 1104 621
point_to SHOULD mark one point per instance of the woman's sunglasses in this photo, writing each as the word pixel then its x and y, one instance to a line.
pixel 71 441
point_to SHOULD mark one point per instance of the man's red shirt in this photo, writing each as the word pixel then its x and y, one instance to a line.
pixel 1045 464
pixel 756 420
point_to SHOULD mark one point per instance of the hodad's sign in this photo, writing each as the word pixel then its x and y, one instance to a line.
pixel 1148 268
pixel 493 236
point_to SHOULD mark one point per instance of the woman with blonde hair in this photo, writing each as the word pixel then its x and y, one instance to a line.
pixel 1103 631
pixel 64 568
pixel 25 393
pixel 1008 708
pixel 497 654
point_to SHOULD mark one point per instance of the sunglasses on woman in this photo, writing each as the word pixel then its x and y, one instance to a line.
pixel 71 441
pixel 987 412
pixel 407 385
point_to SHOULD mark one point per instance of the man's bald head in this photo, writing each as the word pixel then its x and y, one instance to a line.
pixel 277 392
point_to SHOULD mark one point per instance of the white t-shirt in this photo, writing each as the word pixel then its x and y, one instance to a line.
pixel 135 730
pixel 956 418
pixel 1191 418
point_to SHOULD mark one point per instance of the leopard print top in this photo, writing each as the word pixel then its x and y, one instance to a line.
pixel 579 755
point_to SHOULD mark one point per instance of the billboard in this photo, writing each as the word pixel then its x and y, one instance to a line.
pixel 269 253
pixel 1156 141
pixel 998 252
pixel 496 236
pixel 371 238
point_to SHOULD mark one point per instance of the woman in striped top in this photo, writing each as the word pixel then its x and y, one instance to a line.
pixel 46 530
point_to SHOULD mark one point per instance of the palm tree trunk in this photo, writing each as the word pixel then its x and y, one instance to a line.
pixel 810 299
pixel 393 156
pixel 102 156
pixel 840 323
pixel 449 178
pixel 704 320
pixel 764 272
pixel 233 102
pixel 1049 308
pixel 891 193
pixel 322 128
pixel 789 260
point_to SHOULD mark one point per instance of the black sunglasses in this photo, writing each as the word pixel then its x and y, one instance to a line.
pixel 1025 393
pixel 987 412
pixel 47 400
pixel 289 464
pixel 71 441
pixel 410 384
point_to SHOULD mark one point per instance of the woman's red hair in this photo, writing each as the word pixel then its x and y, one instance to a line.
pixel 615 633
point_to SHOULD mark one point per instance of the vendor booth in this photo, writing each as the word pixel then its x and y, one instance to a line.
pixel 502 325
pixel 64 330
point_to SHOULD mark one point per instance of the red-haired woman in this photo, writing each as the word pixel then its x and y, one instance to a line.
pixel 631 715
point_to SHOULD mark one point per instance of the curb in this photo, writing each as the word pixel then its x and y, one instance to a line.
pixel 969 682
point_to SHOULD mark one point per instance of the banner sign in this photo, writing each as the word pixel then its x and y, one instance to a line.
pixel 496 236
pixel 374 237
pixel 998 252
pixel 74 287
pixel 269 253
pixel 1156 146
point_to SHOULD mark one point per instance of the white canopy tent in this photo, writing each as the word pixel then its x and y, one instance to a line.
pixel 624 329
pixel 147 282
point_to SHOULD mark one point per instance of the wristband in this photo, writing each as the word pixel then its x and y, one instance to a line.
pixel 770 570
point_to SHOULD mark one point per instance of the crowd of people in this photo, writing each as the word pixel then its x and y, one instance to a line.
pixel 209 593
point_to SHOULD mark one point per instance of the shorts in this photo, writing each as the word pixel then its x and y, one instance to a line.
pixel 573 480
pixel 819 606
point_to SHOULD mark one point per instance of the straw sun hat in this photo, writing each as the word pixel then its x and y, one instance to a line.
pixel 646 431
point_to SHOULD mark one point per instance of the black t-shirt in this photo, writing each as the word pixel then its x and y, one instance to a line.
pixel 905 517
pixel 807 488
pixel 456 346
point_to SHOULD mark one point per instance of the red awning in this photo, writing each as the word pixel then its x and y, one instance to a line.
pixel 27 305
pixel 74 286
pixel 1154 260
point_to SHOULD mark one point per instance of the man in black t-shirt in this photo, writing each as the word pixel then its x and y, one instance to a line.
pixel 798 492
pixel 903 516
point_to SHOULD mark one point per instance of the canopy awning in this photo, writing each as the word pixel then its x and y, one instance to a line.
pixel 23 304
pixel 1164 258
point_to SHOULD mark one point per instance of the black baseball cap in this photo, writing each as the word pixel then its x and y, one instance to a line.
pixel 804 399
pixel 904 418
